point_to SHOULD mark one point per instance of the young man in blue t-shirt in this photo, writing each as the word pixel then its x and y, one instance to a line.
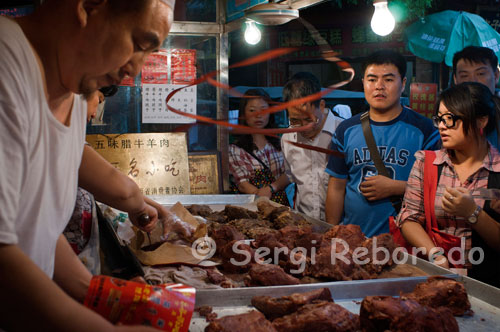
pixel 356 193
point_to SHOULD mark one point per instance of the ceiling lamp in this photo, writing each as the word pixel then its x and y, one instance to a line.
pixel 252 33
pixel 272 13
pixel 382 21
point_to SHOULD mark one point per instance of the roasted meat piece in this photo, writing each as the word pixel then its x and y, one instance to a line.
pixel 206 311
pixel 218 217
pixel 440 291
pixel 223 234
pixel 265 208
pixel 318 317
pixel 248 226
pixel 236 257
pixel 334 262
pixel 252 321
pixel 351 234
pixel 288 218
pixel 200 210
pixel 274 307
pixel 382 313
pixel 236 212
pixel 270 275
pixel 382 258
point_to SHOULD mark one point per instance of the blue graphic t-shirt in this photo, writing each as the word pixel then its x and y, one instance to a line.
pixel 397 141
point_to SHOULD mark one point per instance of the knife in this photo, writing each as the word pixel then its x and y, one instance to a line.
pixel 143 221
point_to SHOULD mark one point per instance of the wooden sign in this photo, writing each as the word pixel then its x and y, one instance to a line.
pixel 157 162
pixel 204 173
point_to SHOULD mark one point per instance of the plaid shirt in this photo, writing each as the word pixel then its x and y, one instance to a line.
pixel 242 165
pixel 413 205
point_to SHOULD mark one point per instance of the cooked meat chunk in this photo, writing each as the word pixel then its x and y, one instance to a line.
pixel 318 317
pixel 265 208
pixel 382 313
pixel 274 307
pixel 272 242
pixel 200 210
pixel 248 226
pixel 206 311
pixel 290 235
pixel 270 275
pixel 254 232
pixel 382 258
pixel 442 292
pixel 236 212
pixel 334 262
pixel 236 257
pixel 349 233
pixel 288 218
pixel 252 321
pixel 223 234
pixel 218 217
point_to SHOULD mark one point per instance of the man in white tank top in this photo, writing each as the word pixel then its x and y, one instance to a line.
pixel 66 47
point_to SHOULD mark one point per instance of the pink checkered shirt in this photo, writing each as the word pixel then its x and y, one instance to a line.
pixel 413 205
pixel 242 165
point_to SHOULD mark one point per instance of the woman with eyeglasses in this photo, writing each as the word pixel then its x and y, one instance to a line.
pixel 466 165
pixel 256 163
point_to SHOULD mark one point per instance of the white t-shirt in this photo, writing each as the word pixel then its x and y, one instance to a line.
pixel 39 156
pixel 307 168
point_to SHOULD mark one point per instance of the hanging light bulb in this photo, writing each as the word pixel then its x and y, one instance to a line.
pixel 382 21
pixel 252 33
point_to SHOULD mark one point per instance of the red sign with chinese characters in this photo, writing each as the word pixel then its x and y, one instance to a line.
pixel 423 97
pixel 175 66
pixel 183 66
pixel 155 68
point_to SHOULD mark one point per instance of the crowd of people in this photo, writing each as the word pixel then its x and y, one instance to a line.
pixel 380 184
pixel 69 49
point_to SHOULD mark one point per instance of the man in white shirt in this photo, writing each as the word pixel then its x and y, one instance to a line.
pixel 303 166
pixel 65 47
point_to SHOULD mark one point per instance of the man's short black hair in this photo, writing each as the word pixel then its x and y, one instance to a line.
pixel 476 54
pixel 301 85
pixel 384 57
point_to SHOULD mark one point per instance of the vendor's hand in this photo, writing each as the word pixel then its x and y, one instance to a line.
pixel 147 218
pixel 264 191
pixel 458 202
pixel 377 187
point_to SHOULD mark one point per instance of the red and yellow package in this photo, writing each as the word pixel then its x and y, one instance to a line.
pixel 168 307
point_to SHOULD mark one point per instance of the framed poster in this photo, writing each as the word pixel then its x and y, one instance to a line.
pixel 205 173
pixel 157 162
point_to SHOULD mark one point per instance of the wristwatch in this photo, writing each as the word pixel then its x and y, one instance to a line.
pixel 472 219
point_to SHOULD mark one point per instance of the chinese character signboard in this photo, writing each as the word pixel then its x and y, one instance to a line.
pixel 157 162
pixel 204 173
pixel 154 107
pixel 423 97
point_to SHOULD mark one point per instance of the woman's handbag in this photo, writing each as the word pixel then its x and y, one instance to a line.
pixel 440 239
pixel 264 177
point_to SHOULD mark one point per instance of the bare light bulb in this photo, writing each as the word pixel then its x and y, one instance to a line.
pixel 382 21
pixel 252 33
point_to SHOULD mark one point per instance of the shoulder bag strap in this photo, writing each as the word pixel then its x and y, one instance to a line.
pixel 372 146
pixel 258 159
pixel 375 155
pixel 430 188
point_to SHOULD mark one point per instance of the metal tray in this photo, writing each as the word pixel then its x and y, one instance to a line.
pixel 485 300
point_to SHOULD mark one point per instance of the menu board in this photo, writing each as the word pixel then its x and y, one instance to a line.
pixel 157 162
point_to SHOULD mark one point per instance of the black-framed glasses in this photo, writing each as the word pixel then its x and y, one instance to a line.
pixel 448 119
